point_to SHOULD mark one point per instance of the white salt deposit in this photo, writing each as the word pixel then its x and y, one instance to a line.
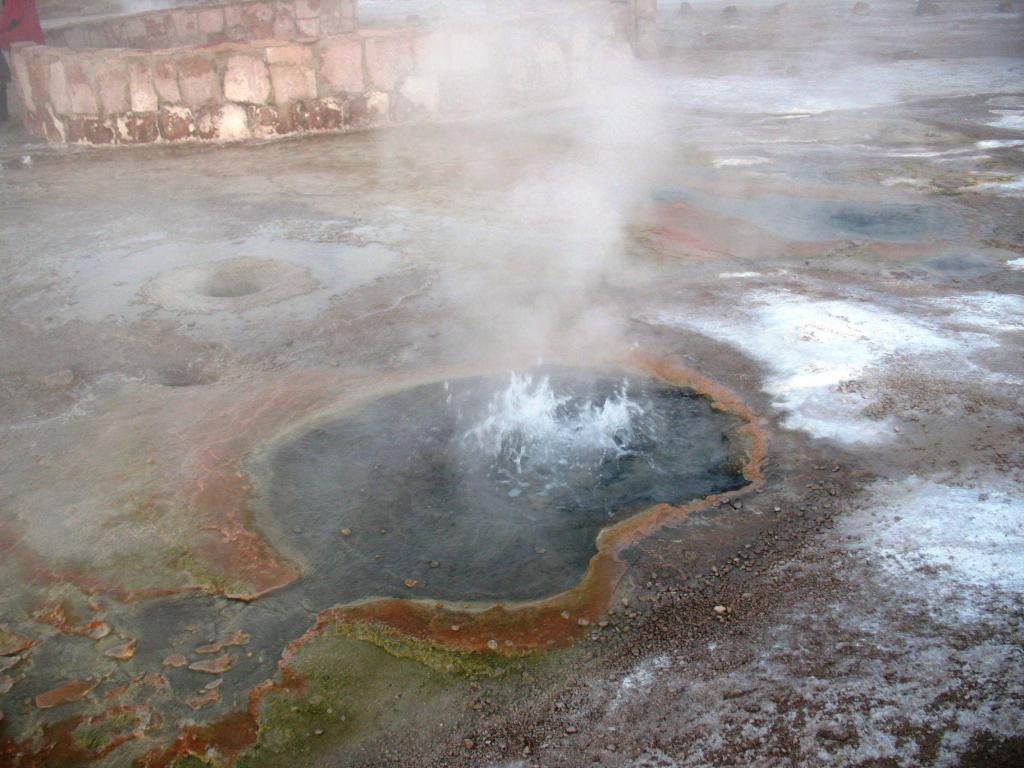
pixel 954 547
pixel 1000 143
pixel 919 552
pixel 1011 187
pixel 987 310
pixel 738 162
pixel 810 347
pixel 641 678
pixel 1011 121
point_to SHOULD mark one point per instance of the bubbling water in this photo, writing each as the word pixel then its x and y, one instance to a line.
pixel 528 423
pixel 490 488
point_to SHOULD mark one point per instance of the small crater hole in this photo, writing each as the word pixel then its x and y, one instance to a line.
pixel 229 284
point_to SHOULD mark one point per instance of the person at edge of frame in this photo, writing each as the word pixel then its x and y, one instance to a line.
pixel 19 22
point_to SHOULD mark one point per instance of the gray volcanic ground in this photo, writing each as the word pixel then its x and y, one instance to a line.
pixel 818 210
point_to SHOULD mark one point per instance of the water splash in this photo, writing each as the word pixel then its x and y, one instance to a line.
pixel 528 423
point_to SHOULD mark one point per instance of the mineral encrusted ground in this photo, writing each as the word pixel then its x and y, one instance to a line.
pixel 842 253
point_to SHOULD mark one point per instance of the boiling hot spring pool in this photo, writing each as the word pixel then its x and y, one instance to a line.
pixel 489 487
pixel 477 490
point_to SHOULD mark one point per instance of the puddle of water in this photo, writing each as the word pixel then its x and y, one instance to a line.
pixel 423 502
pixel 805 219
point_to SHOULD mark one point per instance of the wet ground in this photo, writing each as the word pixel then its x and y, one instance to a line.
pixel 820 213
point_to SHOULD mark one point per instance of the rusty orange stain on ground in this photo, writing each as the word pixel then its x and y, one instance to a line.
pixel 57 745
pixel 507 629
pixel 221 492
pixel 217 666
pixel 122 652
pixel 230 735
pixel 76 690
pixel 12 642
pixel 34 568
pixel 706 234
pixel 236 638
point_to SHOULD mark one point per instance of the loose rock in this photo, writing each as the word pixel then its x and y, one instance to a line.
pixel 217 666
pixel 122 652
pixel 237 638
pixel 76 690
pixel 12 642
pixel 61 379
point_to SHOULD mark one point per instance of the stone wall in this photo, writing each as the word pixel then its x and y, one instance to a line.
pixel 259 89
pixel 211 24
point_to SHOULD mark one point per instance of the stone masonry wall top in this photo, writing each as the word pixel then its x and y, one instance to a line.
pixel 258 88
pixel 212 24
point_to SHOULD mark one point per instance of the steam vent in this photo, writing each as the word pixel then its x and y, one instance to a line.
pixel 511 383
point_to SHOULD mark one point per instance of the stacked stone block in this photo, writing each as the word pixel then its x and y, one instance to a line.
pixel 261 88
pixel 212 24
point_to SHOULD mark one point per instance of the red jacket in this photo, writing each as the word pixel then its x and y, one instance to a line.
pixel 19 22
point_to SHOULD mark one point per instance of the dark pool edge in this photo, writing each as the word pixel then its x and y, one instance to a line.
pixel 499 630
pixel 562 618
